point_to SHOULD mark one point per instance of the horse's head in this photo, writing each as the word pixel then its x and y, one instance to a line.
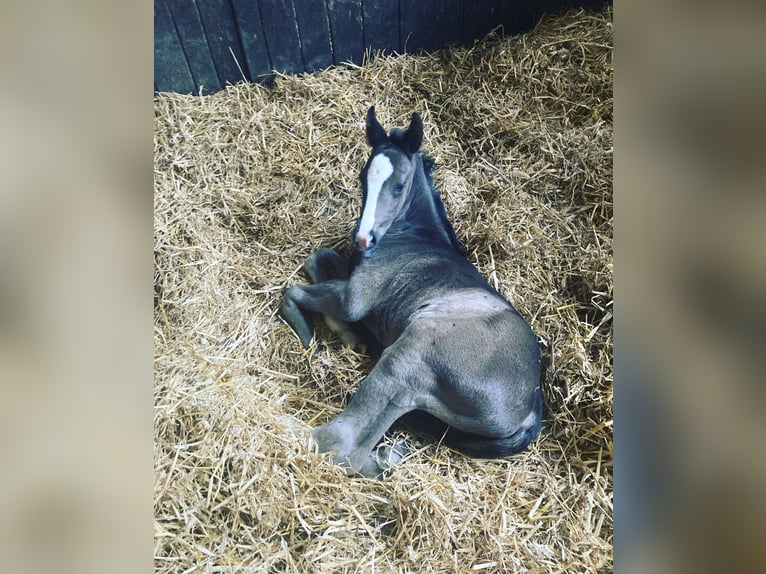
pixel 387 178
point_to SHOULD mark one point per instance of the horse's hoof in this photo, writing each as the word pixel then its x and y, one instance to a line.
pixel 387 455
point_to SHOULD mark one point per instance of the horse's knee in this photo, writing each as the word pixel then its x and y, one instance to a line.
pixel 527 432
pixel 325 264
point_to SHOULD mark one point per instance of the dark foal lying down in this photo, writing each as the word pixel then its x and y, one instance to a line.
pixel 448 343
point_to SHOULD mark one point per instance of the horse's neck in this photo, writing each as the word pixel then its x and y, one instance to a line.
pixel 421 213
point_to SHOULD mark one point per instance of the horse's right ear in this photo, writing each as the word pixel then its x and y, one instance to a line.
pixel 376 135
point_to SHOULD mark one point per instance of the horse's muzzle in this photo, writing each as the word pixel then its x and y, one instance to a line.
pixel 365 241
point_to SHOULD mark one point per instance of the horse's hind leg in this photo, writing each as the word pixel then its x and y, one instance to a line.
pixel 383 396
pixel 354 433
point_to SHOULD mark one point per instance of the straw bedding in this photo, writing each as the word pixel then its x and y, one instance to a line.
pixel 250 181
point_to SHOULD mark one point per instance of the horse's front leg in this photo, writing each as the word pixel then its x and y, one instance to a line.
pixel 326 265
pixel 326 298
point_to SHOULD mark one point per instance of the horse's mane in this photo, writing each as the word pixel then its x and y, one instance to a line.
pixel 428 167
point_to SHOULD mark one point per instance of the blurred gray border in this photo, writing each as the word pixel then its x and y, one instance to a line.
pixel 75 286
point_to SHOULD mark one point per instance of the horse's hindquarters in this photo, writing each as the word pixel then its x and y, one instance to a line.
pixel 485 371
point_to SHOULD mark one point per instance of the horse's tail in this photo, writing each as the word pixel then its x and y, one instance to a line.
pixel 483 447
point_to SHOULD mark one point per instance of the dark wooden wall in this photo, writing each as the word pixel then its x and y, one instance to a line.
pixel 202 45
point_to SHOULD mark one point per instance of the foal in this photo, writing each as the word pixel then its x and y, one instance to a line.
pixel 449 344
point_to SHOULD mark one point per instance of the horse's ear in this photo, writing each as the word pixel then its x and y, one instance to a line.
pixel 376 135
pixel 413 137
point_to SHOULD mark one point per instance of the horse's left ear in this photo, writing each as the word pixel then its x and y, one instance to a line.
pixel 413 137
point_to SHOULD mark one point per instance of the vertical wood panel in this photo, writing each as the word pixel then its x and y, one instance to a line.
pixel 223 39
pixel 381 26
pixel 560 5
pixel 197 41
pixel 248 23
pixel 194 42
pixel 518 15
pixel 346 30
pixel 448 20
pixel 171 72
pixel 479 17
pixel 281 30
pixel 314 31
pixel 416 25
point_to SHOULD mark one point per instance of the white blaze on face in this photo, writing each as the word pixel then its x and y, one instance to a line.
pixel 380 170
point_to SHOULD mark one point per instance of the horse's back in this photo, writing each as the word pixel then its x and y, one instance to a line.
pixel 408 274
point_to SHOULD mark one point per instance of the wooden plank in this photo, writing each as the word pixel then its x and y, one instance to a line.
pixel 171 71
pixel 346 30
pixel 314 31
pixel 479 18
pixel 448 19
pixel 194 42
pixel 281 29
pixel 223 39
pixel 518 16
pixel 416 25
pixel 556 6
pixel 248 22
pixel 381 29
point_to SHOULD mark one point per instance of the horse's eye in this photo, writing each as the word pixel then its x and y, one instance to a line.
pixel 397 189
